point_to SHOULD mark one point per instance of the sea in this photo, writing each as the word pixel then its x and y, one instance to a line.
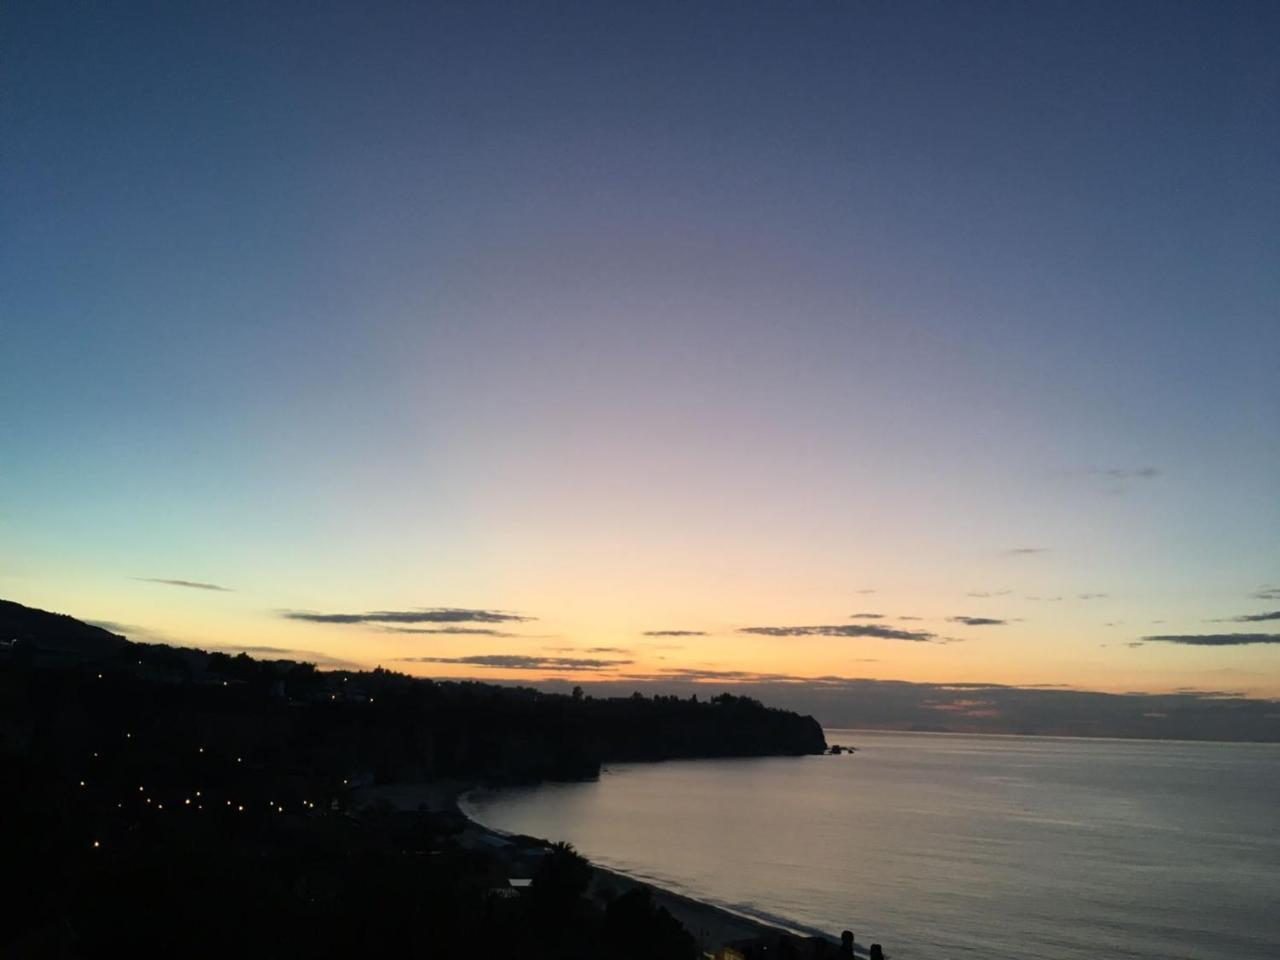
pixel 943 847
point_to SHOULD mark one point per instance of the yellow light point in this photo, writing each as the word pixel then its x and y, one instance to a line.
pixel 201 750
pixel 197 793
pixel 159 806
pixel 99 677
pixel 140 790
pixel 224 683
pixel 237 759
pixel 96 844
pixel 187 801
pixel 148 799
pixel 240 808
pixel 82 783
pixel 128 735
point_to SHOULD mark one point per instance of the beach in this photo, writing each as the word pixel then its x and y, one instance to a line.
pixel 712 926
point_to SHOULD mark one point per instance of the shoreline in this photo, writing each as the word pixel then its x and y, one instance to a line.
pixel 711 924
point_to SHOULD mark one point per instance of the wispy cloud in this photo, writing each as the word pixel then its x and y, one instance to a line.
pixel 1267 593
pixel 1092 596
pixel 1045 599
pixel 514 661
pixel 978 621
pixel 1122 474
pixel 866 591
pixel 1250 618
pixel 866 616
pixel 189 584
pixel 1214 639
pixel 674 633
pixel 1025 551
pixel 843 630
pixel 453 631
pixel 588 649
pixel 421 615
pixel 982 594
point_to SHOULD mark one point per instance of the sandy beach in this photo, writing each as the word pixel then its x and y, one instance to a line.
pixel 711 925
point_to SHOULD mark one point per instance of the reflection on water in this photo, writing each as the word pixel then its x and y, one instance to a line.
pixel 955 847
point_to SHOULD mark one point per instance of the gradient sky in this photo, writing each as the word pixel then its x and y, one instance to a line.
pixel 650 317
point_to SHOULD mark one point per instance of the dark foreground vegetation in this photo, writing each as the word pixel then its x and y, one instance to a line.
pixel 166 802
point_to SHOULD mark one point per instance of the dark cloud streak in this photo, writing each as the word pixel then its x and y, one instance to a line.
pixel 843 630
pixel 188 584
pixel 514 661
pixel 422 615
pixel 1214 639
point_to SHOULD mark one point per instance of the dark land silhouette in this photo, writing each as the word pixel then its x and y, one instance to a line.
pixel 166 801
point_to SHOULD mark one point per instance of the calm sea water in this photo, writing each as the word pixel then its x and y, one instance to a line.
pixel 953 846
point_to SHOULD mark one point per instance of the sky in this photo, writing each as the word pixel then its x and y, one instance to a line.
pixel 711 341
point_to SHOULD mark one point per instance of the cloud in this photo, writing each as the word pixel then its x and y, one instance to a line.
pixel 453 631
pixel 674 633
pixel 514 661
pixel 843 630
pixel 1251 618
pixel 588 649
pixel 1215 639
pixel 866 616
pixel 189 584
pixel 865 591
pixel 1092 596
pixel 1267 593
pixel 423 615
pixel 982 594
pixel 1025 551
pixel 965 706
pixel 978 621
pixel 1046 599
pixel 1122 474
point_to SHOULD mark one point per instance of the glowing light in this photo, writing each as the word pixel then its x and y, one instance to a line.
pixel 82 783
pixel 96 844
pixel 240 807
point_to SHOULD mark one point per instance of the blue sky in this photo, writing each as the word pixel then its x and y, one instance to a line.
pixel 627 317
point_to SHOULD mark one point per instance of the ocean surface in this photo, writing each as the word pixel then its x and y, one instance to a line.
pixel 942 846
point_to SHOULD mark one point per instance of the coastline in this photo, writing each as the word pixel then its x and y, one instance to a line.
pixel 711 925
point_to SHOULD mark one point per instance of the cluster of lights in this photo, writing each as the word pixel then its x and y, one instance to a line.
pixel 199 795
